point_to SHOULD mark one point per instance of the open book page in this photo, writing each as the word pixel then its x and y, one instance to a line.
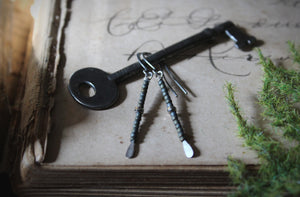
pixel 108 34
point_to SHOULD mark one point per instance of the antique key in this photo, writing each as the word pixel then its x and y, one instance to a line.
pixel 105 84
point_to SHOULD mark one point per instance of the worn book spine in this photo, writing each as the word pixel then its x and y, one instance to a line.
pixel 15 30
pixel 30 118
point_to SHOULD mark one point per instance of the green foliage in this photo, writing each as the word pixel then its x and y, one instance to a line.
pixel 279 173
pixel 294 52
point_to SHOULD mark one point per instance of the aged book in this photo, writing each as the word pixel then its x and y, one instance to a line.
pixel 66 149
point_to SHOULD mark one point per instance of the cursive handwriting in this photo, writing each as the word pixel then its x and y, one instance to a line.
pixel 153 19
pixel 211 59
pixel 265 23
pixel 288 3
pixel 144 48
pixel 122 23
pixel 212 56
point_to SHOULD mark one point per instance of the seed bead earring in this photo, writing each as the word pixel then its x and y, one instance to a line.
pixel 188 150
pixel 139 111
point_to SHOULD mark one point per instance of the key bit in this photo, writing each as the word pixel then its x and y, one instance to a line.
pixel 242 40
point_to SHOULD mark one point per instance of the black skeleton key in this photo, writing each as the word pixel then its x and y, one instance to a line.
pixel 105 84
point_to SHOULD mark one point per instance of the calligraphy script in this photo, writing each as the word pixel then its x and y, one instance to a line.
pixel 223 53
pixel 153 19
pixel 121 23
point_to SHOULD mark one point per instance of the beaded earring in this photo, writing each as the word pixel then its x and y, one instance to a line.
pixel 149 71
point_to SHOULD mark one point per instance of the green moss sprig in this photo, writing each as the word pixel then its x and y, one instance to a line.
pixel 279 172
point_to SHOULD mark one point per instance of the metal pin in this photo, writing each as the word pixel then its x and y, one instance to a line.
pixel 173 77
pixel 143 55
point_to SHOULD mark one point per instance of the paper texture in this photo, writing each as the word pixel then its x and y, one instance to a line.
pixel 108 34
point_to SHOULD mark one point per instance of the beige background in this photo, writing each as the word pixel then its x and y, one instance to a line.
pixel 85 137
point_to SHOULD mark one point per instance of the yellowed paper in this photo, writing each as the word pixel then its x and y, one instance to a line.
pixel 108 34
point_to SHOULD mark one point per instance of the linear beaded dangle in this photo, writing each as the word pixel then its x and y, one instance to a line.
pixel 149 70
pixel 138 114
pixel 189 152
